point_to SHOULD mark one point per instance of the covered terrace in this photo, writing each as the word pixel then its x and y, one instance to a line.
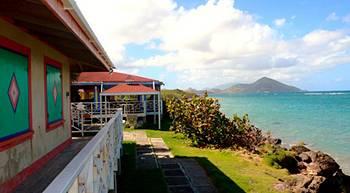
pixel 134 99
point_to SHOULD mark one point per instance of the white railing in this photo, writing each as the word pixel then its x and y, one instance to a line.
pixel 128 107
pixel 94 168
pixel 87 117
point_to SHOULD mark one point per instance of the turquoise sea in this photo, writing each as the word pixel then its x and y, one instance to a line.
pixel 319 119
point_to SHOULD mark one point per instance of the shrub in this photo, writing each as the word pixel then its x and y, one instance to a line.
pixel 131 122
pixel 280 158
pixel 199 118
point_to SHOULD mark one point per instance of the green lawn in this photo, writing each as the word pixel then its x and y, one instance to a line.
pixel 229 170
pixel 133 180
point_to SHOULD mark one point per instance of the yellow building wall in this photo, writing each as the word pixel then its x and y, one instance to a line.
pixel 15 159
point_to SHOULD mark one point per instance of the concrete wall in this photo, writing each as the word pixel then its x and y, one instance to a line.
pixel 15 159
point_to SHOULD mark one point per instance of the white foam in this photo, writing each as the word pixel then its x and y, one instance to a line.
pixel 326 93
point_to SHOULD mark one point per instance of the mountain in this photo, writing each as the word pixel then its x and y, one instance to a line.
pixel 262 85
pixel 224 86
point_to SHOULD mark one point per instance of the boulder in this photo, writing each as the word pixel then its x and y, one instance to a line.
pixel 339 183
pixel 290 163
pixel 308 184
pixel 318 173
pixel 327 166
pixel 272 141
pixel 304 157
pixel 312 155
pixel 316 183
pixel 302 167
pixel 275 141
pixel 300 183
pixel 299 149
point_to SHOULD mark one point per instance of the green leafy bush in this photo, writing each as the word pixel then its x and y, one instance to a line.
pixel 279 157
pixel 131 121
pixel 199 118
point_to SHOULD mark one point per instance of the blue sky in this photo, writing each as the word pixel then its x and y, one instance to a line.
pixel 309 15
pixel 282 41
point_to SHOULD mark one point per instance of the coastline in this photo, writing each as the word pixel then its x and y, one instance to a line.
pixel 281 128
pixel 341 161
pixel 307 169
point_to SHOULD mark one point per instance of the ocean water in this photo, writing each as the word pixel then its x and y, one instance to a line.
pixel 319 119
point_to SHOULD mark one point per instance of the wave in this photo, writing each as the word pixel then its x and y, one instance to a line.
pixel 326 93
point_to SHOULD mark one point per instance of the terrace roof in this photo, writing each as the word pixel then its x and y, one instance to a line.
pixel 126 89
pixel 116 77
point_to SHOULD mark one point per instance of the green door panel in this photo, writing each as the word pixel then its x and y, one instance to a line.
pixel 14 118
pixel 54 94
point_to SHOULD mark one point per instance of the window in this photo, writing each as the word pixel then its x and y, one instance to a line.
pixel 53 92
pixel 15 95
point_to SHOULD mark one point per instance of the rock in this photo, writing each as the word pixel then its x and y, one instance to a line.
pixel 300 183
pixel 316 183
pixel 276 141
pixel 300 190
pixel 299 149
pixel 281 186
pixel 290 163
pixel 308 184
pixel 307 181
pixel 327 165
pixel 318 173
pixel 304 157
pixel 272 141
pixel 312 155
pixel 321 164
pixel 339 183
pixel 301 166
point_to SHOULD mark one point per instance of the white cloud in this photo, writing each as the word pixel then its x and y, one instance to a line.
pixel 280 22
pixel 332 17
pixel 119 22
pixel 346 18
pixel 212 43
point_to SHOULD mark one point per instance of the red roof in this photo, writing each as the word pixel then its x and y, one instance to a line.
pixel 125 88
pixel 111 77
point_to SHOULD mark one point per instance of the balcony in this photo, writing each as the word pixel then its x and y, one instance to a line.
pixel 88 117
pixel 87 165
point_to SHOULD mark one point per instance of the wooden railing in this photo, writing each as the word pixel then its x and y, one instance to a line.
pixel 94 168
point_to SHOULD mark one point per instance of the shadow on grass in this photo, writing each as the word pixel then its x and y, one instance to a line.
pixel 134 180
pixel 223 183
pixel 165 124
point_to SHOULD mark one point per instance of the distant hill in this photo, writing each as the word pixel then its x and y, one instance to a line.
pixel 224 86
pixel 166 93
pixel 262 85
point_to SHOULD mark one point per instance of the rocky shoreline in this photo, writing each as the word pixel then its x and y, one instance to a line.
pixel 313 171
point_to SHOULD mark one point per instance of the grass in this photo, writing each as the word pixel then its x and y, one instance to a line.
pixel 139 181
pixel 230 171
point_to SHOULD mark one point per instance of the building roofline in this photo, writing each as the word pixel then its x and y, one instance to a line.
pixel 70 15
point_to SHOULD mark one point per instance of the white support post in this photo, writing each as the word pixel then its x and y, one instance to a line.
pixel 105 109
pixel 101 103
pixel 154 103
pixel 144 105
pixel 154 110
pixel 161 102
pixel 159 124
pixel 82 124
